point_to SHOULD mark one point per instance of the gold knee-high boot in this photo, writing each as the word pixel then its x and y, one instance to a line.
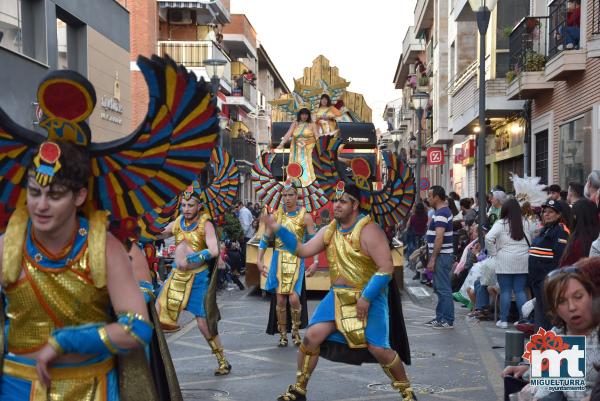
pixel 224 366
pixel 402 385
pixel 297 391
pixel 296 326
pixel 282 325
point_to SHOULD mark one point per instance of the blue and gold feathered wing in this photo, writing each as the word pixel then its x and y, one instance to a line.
pixel 217 197
pixel 142 171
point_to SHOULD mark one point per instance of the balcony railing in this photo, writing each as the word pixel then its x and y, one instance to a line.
pixel 243 150
pixel 191 53
pixel 564 28
pixel 429 54
pixel 528 44
pixel 595 17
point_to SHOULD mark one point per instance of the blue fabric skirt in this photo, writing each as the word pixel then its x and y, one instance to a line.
pixel 272 283
pixel 378 325
pixel 18 389
pixel 195 303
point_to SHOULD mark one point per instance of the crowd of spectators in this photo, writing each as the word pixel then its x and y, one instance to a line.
pixel 538 266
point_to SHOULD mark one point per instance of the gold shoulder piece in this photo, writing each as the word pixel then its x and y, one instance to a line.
pixel 302 213
pixel 329 232
pixel 355 237
pixel 97 247
pixel 279 215
pixel 201 223
pixel 177 225
pixel 13 249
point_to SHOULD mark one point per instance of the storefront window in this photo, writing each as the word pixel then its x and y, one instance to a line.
pixel 11 36
pixel 575 150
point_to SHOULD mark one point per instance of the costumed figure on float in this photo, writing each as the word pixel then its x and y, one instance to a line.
pixel 360 319
pixel 75 324
pixel 192 283
pixel 302 135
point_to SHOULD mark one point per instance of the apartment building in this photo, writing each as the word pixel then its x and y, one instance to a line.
pixel 271 86
pixel 555 65
pixel 88 36
pixel 409 73
pixel 191 32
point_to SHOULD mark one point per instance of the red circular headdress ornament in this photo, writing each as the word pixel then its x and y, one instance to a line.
pixel 294 170
pixel 49 152
pixel 361 171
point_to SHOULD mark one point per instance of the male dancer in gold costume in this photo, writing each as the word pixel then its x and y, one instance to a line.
pixel 190 285
pixel 285 276
pixel 354 312
pixel 59 289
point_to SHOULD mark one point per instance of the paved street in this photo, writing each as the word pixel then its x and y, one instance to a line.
pixel 460 364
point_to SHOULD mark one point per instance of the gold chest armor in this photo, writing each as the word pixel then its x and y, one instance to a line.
pixel 195 238
pixel 288 263
pixel 347 260
pixel 45 299
pixel 345 257
pixel 175 296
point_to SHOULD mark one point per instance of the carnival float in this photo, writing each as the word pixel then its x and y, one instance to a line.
pixel 322 135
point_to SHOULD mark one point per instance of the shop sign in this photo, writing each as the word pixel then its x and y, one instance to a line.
pixel 458 155
pixel 468 152
pixel 435 156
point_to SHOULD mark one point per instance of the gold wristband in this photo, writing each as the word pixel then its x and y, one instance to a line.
pixel 106 340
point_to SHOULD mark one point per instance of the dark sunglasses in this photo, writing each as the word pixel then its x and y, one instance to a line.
pixel 564 270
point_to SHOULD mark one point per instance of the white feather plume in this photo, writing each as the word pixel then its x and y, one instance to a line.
pixel 529 189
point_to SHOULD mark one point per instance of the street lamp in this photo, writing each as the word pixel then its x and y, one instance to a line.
pixel 419 101
pixel 482 9
pixel 215 69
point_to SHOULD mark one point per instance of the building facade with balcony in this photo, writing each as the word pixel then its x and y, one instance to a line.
pixel 431 25
pixel 410 69
pixel 241 106
pixel 505 129
pixel 271 86
pixel 90 37
pixel 191 32
pixel 188 31
pixel 555 65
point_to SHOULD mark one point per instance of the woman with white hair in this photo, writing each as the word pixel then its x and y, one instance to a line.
pixel 592 186
pixel 498 199
pixel 591 191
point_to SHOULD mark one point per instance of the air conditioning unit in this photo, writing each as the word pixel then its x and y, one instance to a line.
pixel 180 17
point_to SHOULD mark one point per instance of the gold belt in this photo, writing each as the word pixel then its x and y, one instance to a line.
pixel 87 382
pixel 346 321
pixel 287 272
pixel 175 295
pixel 28 372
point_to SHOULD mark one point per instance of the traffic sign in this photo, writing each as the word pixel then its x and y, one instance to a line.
pixel 424 184
pixel 435 156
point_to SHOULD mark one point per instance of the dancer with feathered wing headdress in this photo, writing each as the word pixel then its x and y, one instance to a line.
pixel 59 248
pixel 192 284
pixel 361 315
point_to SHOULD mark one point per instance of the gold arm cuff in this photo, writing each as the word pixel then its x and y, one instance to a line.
pixel 382 274
pixel 149 292
pixel 54 344
pixel 106 340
